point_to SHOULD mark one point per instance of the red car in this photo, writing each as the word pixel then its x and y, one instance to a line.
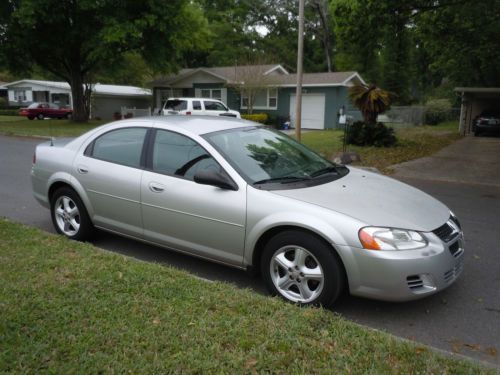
pixel 42 110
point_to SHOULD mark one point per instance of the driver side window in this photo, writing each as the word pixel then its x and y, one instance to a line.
pixel 177 155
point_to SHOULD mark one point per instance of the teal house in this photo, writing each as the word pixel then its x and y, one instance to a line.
pixel 324 95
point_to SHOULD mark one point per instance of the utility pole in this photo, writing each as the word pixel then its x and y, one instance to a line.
pixel 300 58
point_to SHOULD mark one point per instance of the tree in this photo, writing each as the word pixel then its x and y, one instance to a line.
pixel 371 101
pixel 76 39
pixel 250 80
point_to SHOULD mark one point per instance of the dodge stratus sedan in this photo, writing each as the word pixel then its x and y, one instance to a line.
pixel 240 194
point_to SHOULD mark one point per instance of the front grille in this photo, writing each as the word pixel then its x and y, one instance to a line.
pixel 455 249
pixel 443 232
pixel 414 282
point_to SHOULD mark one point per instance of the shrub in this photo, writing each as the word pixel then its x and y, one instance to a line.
pixel 3 102
pixel 9 112
pixel 257 117
pixel 378 135
pixel 437 110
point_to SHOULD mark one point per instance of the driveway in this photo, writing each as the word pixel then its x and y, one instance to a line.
pixel 464 319
pixel 471 160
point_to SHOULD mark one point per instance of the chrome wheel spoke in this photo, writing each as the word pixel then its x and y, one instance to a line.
pixel 300 257
pixel 73 212
pixel 312 273
pixel 305 292
pixel 285 282
pixel 283 262
pixel 74 224
pixel 66 204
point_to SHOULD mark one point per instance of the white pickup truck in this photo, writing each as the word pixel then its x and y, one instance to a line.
pixel 197 107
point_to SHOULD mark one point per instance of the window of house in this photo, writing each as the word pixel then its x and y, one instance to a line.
pixel 264 99
pixel 20 95
pixel 212 93
pixel 272 98
pixel 122 146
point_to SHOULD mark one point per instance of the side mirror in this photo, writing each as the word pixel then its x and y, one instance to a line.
pixel 214 178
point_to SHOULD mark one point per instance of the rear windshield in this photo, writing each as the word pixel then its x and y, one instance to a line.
pixel 34 105
pixel 176 105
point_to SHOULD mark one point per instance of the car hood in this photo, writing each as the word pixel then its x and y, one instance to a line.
pixel 376 200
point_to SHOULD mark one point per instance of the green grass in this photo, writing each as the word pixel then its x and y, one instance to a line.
pixel 17 125
pixel 68 307
pixel 413 143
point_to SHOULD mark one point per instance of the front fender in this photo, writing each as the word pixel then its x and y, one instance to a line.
pixel 286 219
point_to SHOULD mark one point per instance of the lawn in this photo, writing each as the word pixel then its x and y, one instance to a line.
pixel 413 143
pixel 17 125
pixel 68 307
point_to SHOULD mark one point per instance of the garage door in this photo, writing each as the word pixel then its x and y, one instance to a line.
pixel 313 111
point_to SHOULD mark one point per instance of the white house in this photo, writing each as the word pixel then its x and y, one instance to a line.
pixel 106 99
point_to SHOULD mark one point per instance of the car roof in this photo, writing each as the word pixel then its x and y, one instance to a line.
pixel 191 98
pixel 196 124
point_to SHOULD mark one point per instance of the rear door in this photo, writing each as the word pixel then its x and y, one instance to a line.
pixel 110 171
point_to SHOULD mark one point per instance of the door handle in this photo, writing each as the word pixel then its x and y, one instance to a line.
pixel 155 187
pixel 82 169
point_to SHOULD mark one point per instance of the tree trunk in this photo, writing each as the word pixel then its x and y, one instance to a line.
pixel 322 9
pixel 80 113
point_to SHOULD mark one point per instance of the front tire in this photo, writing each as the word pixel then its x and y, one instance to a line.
pixel 40 116
pixel 302 268
pixel 69 215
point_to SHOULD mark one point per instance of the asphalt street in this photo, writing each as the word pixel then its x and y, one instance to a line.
pixel 463 319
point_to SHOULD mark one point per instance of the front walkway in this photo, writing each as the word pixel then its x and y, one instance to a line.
pixel 474 160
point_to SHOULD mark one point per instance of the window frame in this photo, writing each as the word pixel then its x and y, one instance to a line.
pixel 89 149
pixel 268 96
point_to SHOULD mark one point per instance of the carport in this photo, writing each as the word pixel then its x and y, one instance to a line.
pixel 474 101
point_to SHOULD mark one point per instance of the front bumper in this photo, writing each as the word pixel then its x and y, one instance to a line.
pixel 404 275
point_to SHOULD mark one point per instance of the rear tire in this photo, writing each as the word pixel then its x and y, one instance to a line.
pixel 69 215
pixel 303 269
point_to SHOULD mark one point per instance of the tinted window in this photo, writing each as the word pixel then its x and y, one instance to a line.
pixel 53 106
pixel 123 146
pixel 176 154
pixel 196 105
pixel 214 106
pixel 176 105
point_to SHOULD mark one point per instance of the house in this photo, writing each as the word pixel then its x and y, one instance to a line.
pixel 106 99
pixel 323 94
pixel 3 93
pixel 474 101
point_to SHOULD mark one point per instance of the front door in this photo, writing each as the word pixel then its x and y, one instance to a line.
pixel 200 219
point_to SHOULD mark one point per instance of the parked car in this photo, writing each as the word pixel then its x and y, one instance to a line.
pixel 487 121
pixel 43 110
pixel 197 106
pixel 241 194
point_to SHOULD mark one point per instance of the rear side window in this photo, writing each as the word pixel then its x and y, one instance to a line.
pixel 196 105
pixel 176 105
pixel 122 146
pixel 214 106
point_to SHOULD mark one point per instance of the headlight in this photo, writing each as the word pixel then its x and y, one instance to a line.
pixel 374 238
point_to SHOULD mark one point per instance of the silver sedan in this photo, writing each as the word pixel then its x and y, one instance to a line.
pixel 246 196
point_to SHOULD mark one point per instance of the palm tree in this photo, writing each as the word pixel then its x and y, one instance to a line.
pixel 371 101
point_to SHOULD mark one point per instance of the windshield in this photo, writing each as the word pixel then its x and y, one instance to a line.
pixel 263 156
pixel 34 105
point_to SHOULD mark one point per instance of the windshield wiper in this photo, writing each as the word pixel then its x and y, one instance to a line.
pixel 282 180
pixel 323 171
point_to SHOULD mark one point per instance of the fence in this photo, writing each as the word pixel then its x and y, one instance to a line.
pixel 415 115
pixel 135 112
